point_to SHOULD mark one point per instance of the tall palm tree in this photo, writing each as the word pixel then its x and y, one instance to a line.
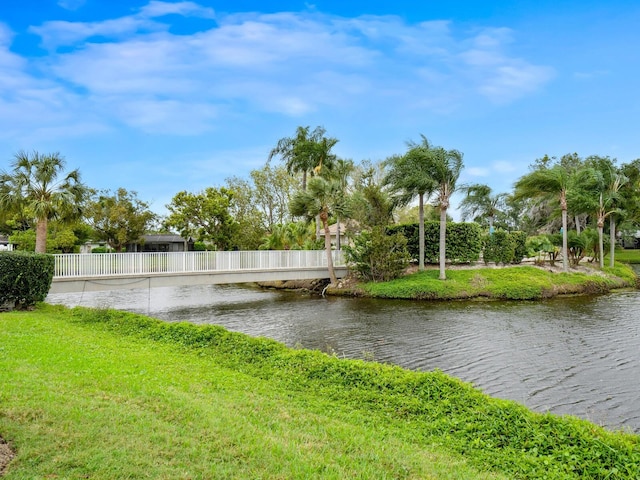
pixel 445 168
pixel 341 170
pixel 409 176
pixel 479 203
pixel 321 198
pixel 39 185
pixel 545 182
pixel 306 152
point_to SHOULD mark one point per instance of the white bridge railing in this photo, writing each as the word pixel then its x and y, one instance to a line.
pixel 70 265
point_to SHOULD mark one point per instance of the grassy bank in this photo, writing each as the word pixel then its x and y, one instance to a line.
pixel 509 283
pixel 627 256
pixel 102 394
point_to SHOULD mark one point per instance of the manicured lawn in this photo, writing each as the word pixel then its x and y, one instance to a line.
pixel 510 283
pixel 107 395
pixel 628 256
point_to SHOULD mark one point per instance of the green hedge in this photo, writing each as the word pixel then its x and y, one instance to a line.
pixel 464 240
pixel 25 278
pixel 504 247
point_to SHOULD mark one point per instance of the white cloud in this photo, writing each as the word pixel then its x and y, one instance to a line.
pixel 294 64
pixel 71 4
pixel 477 171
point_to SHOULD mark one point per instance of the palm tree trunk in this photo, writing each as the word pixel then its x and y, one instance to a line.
pixel 565 249
pixel 600 244
pixel 41 235
pixel 612 241
pixel 327 247
pixel 338 243
pixel 421 232
pixel 577 220
pixel 443 244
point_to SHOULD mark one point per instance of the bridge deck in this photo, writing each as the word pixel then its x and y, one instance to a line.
pixel 91 272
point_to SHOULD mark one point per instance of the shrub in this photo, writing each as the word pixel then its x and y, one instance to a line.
pixel 25 278
pixel 499 247
pixel 464 241
pixel 520 243
pixel 377 256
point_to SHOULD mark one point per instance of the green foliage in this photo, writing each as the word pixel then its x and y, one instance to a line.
pixel 499 247
pixel 429 407
pixel 520 242
pixel 203 216
pixel 119 218
pixel 511 283
pixel 464 240
pixel 25 278
pixel 376 256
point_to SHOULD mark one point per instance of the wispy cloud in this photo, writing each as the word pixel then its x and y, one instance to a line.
pixel 134 70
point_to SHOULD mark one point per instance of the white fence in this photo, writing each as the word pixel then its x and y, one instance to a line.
pixel 123 264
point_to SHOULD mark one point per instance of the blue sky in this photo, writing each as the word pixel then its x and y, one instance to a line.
pixel 163 96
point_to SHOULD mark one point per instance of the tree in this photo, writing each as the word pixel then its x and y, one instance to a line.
pixel 544 182
pixel 321 198
pixel 480 204
pixel 203 216
pixel 409 176
pixel 371 205
pixel 39 187
pixel 306 152
pixel 445 167
pixel 119 218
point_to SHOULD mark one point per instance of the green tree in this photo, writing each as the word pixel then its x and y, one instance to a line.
pixel 479 204
pixel 119 218
pixel 39 186
pixel 306 152
pixel 371 205
pixel 545 182
pixel 410 175
pixel 445 167
pixel 321 198
pixel 204 216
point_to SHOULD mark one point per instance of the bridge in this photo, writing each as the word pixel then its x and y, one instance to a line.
pixel 87 272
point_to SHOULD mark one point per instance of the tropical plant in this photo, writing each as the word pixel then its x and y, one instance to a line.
pixel 410 175
pixel 375 255
pixel 322 199
pixel 306 152
pixel 445 168
pixel 39 188
pixel 479 204
pixel 547 182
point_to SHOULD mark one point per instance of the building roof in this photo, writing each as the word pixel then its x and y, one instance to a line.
pixel 163 238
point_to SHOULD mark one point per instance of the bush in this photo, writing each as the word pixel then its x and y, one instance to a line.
pixel 377 256
pixel 520 242
pixel 25 279
pixel 464 241
pixel 499 247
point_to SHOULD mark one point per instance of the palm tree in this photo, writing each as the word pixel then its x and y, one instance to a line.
pixel 306 152
pixel 545 182
pixel 410 176
pixel 479 203
pixel 321 198
pixel 38 185
pixel 445 167
pixel 340 171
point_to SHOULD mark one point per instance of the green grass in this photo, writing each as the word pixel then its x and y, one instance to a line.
pixel 627 256
pixel 102 394
pixel 510 283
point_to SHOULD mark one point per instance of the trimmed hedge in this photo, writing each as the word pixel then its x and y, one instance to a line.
pixel 464 240
pixel 504 247
pixel 25 278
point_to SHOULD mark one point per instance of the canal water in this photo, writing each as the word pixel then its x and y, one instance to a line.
pixel 578 355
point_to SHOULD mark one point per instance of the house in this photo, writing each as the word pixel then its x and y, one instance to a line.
pixel 162 243
pixel 333 231
pixel 4 243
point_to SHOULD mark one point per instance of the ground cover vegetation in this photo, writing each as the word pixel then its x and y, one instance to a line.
pixel 108 394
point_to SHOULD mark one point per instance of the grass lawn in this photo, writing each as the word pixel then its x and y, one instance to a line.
pixel 108 395
pixel 509 283
pixel 627 256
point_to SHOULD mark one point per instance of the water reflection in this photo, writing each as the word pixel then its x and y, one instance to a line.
pixel 576 355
